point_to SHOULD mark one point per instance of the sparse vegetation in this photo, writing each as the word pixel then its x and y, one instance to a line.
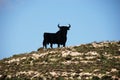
pixel 93 61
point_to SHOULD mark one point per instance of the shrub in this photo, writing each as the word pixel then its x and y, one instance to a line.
pixel 69 57
pixel 95 78
pixel 106 77
pixel 60 78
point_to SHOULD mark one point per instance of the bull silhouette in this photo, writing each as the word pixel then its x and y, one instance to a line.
pixel 59 38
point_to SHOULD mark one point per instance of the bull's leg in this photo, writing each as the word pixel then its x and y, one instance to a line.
pixel 51 45
pixel 44 44
pixel 64 45
pixel 58 45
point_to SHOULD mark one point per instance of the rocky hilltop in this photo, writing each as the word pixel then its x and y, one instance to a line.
pixel 93 61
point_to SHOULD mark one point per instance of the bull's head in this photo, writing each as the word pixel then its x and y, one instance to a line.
pixel 64 28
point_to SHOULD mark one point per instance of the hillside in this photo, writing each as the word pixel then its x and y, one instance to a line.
pixel 93 61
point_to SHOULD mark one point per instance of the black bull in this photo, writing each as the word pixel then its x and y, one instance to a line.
pixel 59 38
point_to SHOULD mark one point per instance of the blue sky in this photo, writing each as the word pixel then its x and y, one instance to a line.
pixel 23 22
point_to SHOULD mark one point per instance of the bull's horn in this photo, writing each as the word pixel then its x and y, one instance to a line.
pixel 69 25
pixel 58 25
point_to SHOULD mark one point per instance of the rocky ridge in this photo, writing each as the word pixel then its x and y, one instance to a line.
pixel 93 61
